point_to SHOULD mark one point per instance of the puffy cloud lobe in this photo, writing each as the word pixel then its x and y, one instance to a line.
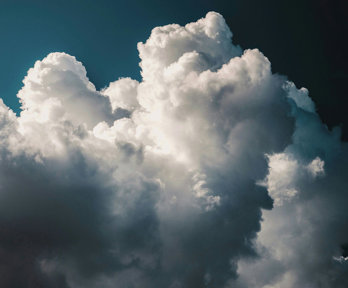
pixel 162 183
pixel 58 88
pixel 209 37
pixel 123 94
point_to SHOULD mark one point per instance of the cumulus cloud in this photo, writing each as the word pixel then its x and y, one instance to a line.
pixel 165 182
pixel 303 239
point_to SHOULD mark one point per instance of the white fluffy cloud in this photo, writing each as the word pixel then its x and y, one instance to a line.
pixel 164 182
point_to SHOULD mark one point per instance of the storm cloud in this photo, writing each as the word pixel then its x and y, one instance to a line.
pixel 209 172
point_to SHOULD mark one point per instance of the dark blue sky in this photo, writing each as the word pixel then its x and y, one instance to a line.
pixel 304 40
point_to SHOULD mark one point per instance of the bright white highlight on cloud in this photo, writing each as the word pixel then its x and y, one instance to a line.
pixel 165 182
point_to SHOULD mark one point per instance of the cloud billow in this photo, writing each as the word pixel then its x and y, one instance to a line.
pixel 165 182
